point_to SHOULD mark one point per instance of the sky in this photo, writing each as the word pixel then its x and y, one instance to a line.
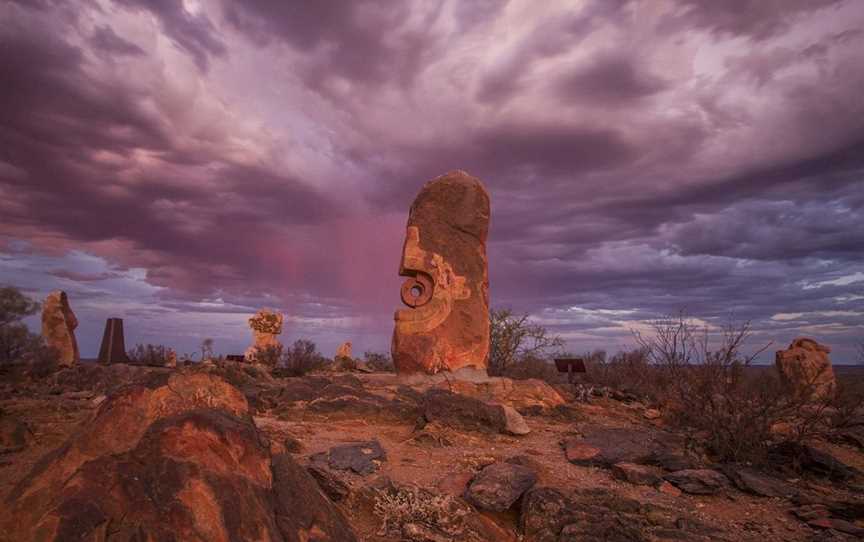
pixel 181 163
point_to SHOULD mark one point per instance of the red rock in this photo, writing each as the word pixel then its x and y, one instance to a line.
pixel 446 324
pixel 806 368
pixel 669 489
pixel 58 328
pixel 176 459
pixel 642 475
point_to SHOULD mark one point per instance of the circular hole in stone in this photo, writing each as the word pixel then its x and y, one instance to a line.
pixel 416 291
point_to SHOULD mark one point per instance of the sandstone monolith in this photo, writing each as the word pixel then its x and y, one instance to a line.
pixel 806 368
pixel 446 323
pixel 58 328
pixel 266 326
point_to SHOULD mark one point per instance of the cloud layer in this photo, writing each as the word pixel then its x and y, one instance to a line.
pixel 179 163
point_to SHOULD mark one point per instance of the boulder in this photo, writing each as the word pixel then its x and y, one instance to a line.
pixel 591 515
pixel 499 485
pixel 175 458
pixel 604 447
pixel 58 328
pixel 471 414
pixel 698 481
pixel 361 457
pixel 446 323
pixel 806 368
pixel 640 475
pixel 670 460
pixel 523 395
pixel 752 481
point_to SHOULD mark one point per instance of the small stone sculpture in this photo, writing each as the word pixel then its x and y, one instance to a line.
pixel 266 325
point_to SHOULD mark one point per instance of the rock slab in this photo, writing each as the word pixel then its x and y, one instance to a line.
pixel 499 485
pixel 698 481
pixel 175 458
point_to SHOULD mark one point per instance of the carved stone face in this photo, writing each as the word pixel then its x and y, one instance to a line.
pixel 446 323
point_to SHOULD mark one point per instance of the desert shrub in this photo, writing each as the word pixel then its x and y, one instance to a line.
pixel 16 341
pixel 629 371
pixel 406 508
pixel 718 398
pixel 379 361
pixel 301 358
pixel 269 355
pixel 513 339
pixel 149 354
pixel 534 367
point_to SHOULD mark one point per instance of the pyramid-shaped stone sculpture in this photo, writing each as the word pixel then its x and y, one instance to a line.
pixel 113 349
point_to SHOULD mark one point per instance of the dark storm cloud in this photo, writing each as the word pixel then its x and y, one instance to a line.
pixel 363 42
pixel 551 37
pixel 758 19
pixel 194 33
pixel 639 160
pixel 105 39
pixel 611 78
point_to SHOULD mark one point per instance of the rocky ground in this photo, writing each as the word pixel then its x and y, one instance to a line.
pixel 85 455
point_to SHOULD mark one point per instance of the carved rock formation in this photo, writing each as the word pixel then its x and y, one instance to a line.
pixel 178 458
pixel 58 327
pixel 446 324
pixel 266 326
pixel 344 351
pixel 805 366
pixel 113 349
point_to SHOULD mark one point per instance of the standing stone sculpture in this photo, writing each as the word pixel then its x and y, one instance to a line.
pixel 58 328
pixel 266 326
pixel 445 326
pixel 805 366
pixel 343 360
pixel 113 349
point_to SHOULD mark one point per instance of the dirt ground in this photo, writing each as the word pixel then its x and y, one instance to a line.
pixel 442 459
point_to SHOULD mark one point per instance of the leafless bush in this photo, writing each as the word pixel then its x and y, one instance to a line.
pixel 301 358
pixel 379 361
pixel 535 367
pixel 408 512
pixel 628 371
pixel 714 393
pixel 513 339
pixel 270 356
pixel 16 341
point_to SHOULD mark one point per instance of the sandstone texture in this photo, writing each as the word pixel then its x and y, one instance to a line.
pixel 266 326
pixel 58 328
pixel 175 458
pixel 806 368
pixel 446 324
pixel 497 486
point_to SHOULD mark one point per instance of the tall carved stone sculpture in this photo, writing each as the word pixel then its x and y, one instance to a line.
pixel 805 366
pixel 446 324
pixel 113 349
pixel 58 328
pixel 266 326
